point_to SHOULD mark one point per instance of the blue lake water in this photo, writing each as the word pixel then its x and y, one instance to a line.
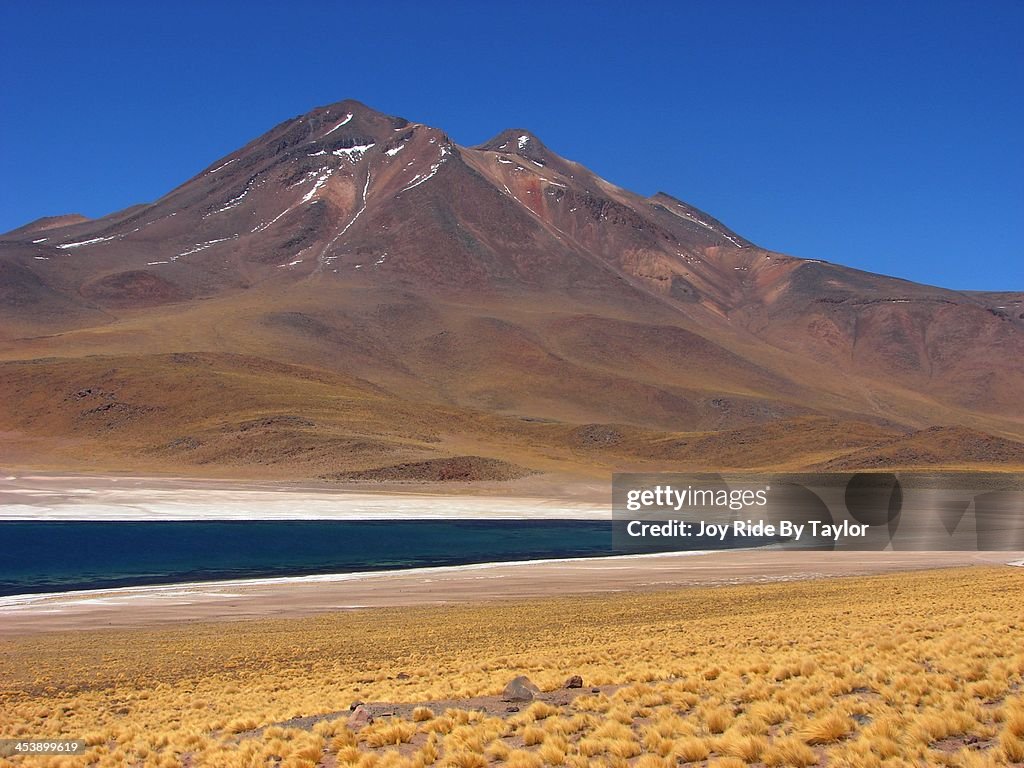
pixel 72 555
pixel 60 556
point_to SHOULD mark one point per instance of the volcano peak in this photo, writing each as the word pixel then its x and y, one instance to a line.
pixel 514 140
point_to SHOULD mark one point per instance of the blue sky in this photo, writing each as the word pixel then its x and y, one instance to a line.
pixel 885 136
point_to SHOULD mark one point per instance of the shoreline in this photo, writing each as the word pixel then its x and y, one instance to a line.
pixel 295 596
pixel 13 601
pixel 38 497
pixel 69 498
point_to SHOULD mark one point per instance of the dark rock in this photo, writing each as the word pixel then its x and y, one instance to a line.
pixel 520 689
pixel 451 469
pixel 683 290
pixel 359 718
pixel 574 682
pixel 186 443
pixel 595 436
pixel 276 421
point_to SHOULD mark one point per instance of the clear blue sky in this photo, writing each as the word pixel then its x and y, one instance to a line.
pixel 888 136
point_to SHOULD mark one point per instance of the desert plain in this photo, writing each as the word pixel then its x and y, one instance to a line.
pixel 917 667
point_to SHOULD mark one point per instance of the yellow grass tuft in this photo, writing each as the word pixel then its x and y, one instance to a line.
pixel 789 751
pixel 1012 746
pixel 735 744
pixel 389 733
pixel 727 762
pixel 690 749
pixel 519 758
pixel 553 752
pixel 540 710
pixel 497 750
pixel 719 719
pixel 652 761
pixel 533 735
pixel 465 760
pixel 827 728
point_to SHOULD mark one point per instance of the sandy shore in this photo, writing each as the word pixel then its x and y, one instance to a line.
pixel 70 497
pixel 287 597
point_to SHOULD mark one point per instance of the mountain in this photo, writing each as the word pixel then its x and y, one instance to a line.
pixel 354 296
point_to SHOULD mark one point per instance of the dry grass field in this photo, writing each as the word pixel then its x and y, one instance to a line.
pixel 913 669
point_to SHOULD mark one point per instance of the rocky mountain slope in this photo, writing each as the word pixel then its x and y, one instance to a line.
pixel 352 292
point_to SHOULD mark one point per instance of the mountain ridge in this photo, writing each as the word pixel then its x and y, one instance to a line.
pixel 499 280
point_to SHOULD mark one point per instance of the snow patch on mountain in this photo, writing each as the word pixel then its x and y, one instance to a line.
pixel 419 178
pixel 684 214
pixel 235 201
pixel 344 121
pixel 202 247
pixel 81 243
pixel 325 174
pixel 224 165
pixel 353 153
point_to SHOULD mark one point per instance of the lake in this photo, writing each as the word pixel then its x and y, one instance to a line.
pixel 60 556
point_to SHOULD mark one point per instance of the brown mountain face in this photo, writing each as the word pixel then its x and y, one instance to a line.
pixel 352 295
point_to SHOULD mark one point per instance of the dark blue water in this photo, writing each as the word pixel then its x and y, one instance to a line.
pixel 51 557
